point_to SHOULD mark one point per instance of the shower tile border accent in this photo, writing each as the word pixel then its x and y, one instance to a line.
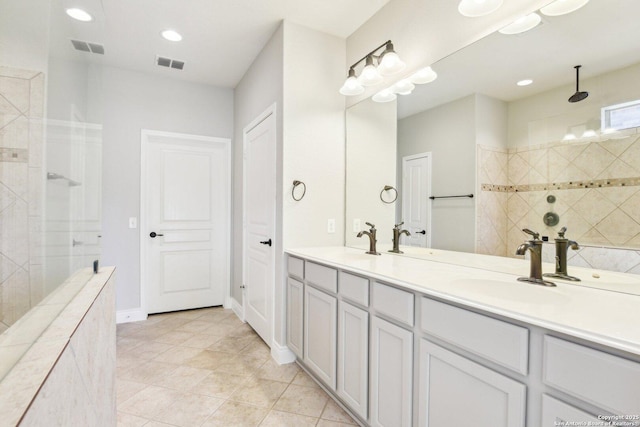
pixel 16 155
pixel 570 185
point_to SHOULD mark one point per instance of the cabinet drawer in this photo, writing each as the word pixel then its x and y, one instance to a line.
pixel 295 267
pixel 322 277
pixel 495 340
pixel 395 303
pixel 604 380
pixel 355 288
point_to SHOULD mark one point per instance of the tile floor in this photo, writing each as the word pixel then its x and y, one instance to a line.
pixel 207 368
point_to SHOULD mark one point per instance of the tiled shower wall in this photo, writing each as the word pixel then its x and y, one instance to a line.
pixel 596 186
pixel 21 184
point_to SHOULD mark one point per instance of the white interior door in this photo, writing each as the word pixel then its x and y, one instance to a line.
pixel 416 189
pixel 259 222
pixel 185 221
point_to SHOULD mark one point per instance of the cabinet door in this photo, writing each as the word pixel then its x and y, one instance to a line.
pixel 557 413
pixel 320 318
pixel 295 300
pixel 391 374
pixel 454 391
pixel 353 355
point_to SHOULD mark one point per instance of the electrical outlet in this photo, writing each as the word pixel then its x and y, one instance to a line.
pixel 133 222
pixel 331 225
pixel 356 225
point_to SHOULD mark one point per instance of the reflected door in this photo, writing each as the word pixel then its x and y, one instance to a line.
pixel 185 225
pixel 416 189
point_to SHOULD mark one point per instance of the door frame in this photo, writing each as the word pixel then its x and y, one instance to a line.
pixel 405 159
pixel 269 112
pixel 143 226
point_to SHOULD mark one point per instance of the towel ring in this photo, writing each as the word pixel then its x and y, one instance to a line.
pixel 304 190
pixel 387 188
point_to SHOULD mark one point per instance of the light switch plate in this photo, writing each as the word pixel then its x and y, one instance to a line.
pixel 356 225
pixel 133 222
pixel 331 225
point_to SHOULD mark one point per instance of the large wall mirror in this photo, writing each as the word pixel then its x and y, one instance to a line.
pixel 530 158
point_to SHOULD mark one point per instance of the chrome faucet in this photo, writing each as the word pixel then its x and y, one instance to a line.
pixel 535 252
pixel 396 238
pixel 372 238
pixel 562 246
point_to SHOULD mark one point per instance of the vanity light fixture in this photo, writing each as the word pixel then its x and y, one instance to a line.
pixel 79 14
pixel 424 75
pixel 376 66
pixel 475 8
pixel 562 7
pixel 522 24
pixel 525 82
pixel 403 87
pixel 171 35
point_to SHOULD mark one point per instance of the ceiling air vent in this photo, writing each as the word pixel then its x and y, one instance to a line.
pixel 88 47
pixel 169 63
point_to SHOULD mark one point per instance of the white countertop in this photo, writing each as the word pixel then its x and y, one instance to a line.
pixel 604 317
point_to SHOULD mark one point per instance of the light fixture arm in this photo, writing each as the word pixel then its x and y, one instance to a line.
pixel 372 54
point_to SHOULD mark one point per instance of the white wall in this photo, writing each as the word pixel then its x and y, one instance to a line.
pixel 24 34
pixel 449 133
pixel 260 87
pixel 491 122
pixel 132 101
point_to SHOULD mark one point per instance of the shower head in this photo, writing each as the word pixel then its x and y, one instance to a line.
pixel 578 96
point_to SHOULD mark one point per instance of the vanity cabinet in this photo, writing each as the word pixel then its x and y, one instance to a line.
pixel 320 318
pixel 454 390
pixel 391 374
pixel 398 357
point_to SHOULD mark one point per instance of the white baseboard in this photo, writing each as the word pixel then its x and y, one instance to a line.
pixel 238 309
pixel 281 354
pixel 132 315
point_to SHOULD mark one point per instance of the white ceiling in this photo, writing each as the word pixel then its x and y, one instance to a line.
pixel 602 36
pixel 221 38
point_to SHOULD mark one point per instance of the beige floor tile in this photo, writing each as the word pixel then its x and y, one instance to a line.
pixel 127 362
pixel 333 412
pixel 148 350
pixel 219 384
pixel 220 329
pixel 286 419
pixel 263 393
pixel 126 329
pixel 272 371
pixel 216 316
pixel 327 423
pixel 125 389
pixel 173 337
pixel 232 344
pixel 190 410
pixel 158 424
pixel 149 372
pixel 241 365
pixel 195 326
pixel 125 344
pixel 237 415
pixel 184 378
pixel 208 359
pixel 302 378
pixel 128 420
pixel 302 400
pixel 201 340
pixel 177 355
pixel 257 348
pixel 150 401
pixel 243 330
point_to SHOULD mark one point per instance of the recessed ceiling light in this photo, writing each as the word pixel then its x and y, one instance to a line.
pixel 79 14
pixel 521 25
pixel 171 35
pixel 525 82
pixel 562 7
pixel 475 8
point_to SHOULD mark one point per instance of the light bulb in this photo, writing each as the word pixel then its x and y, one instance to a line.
pixel 425 75
pixel 79 14
pixel 370 75
pixel 390 64
pixel 171 35
pixel 351 86
pixel 385 95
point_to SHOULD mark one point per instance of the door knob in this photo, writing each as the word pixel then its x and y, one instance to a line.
pixel 266 242
pixel 421 232
pixel 153 234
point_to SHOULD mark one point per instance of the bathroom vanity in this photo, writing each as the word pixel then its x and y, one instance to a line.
pixel 402 342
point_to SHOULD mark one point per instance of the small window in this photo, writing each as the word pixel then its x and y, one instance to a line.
pixel 621 116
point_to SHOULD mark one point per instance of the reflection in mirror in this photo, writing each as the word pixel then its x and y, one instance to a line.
pixel 370 156
pixel 514 146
